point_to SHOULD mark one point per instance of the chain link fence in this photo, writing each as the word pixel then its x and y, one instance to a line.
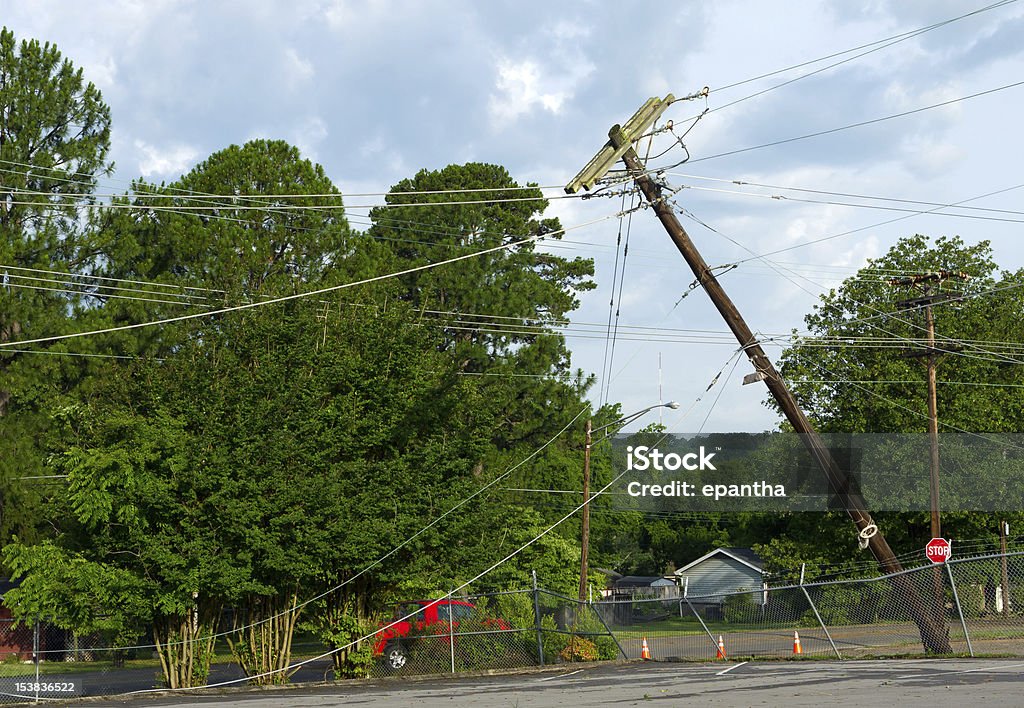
pixel 41 662
pixel 505 630
pixel 966 606
pixel 490 631
pixel 970 606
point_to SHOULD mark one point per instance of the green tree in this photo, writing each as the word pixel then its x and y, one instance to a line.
pixel 857 332
pixel 850 376
pixel 139 543
pixel 491 304
pixel 497 313
pixel 268 459
pixel 497 310
pixel 247 222
pixel 54 139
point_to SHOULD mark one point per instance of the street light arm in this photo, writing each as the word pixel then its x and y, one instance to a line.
pixel 625 420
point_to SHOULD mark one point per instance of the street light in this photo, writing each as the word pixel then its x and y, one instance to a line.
pixel 585 540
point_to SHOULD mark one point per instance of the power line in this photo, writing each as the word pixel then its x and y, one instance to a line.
pixel 858 124
pixel 876 207
pixel 887 42
pixel 763 258
pixel 258 199
pixel 851 195
pixel 282 208
pixel 296 296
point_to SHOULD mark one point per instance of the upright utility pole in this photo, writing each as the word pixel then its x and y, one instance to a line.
pixel 934 635
pixel 931 355
pixel 933 426
pixel 585 534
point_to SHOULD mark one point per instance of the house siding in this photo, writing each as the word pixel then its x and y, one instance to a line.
pixel 721 574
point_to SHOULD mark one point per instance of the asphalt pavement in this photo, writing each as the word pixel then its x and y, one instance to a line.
pixel 935 683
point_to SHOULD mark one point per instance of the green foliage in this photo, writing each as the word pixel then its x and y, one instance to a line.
pixel 54 139
pixel 75 593
pixel 866 306
pixel 350 661
pixel 55 135
pixel 495 310
pixel 579 649
pixel 248 457
pixel 585 638
pixel 481 647
pixel 517 282
pixel 837 605
pixel 739 607
pixel 248 242
pixel 302 458
pixel 977 391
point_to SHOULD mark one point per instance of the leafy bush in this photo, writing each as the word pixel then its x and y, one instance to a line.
pixel 579 649
pixel 338 630
pixel 557 643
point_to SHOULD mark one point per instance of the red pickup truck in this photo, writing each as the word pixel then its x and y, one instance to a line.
pixel 423 617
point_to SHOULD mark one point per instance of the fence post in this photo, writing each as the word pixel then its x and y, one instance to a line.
pixel 609 630
pixel 820 621
pixel 35 653
pixel 959 608
pixel 686 590
pixel 536 620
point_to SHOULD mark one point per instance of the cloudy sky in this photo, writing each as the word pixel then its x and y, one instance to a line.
pixel 375 90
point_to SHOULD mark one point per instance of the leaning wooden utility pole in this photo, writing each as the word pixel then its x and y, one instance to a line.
pixel 934 635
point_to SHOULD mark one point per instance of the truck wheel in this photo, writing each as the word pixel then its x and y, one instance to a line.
pixel 396 656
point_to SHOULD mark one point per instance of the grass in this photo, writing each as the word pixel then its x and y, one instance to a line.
pixel 11 669
pixel 50 668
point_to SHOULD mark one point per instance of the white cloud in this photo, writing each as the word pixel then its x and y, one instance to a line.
pixel 298 71
pixel 928 157
pixel 902 97
pixel 522 87
pixel 338 14
pixel 308 136
pixel 102 72
pixel 546 78
pixel 349 14
pixel 373 146
pixel 563 30
pixel 169 162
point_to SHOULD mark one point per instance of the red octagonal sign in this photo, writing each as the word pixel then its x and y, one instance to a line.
pixel 938 550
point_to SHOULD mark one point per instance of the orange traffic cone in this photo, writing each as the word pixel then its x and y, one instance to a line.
pixel 797 649
pixel 721 648
pixel 645 652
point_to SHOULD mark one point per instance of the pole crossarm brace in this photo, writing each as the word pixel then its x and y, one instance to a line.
pixel 611 153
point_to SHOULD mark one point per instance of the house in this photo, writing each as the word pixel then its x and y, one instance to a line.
pixel 644 586
pixel 634 598
pixel 722 571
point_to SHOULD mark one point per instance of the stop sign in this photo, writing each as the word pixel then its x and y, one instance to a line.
pixel 938 550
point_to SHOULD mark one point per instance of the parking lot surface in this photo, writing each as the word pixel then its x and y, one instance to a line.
pixel 935 683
